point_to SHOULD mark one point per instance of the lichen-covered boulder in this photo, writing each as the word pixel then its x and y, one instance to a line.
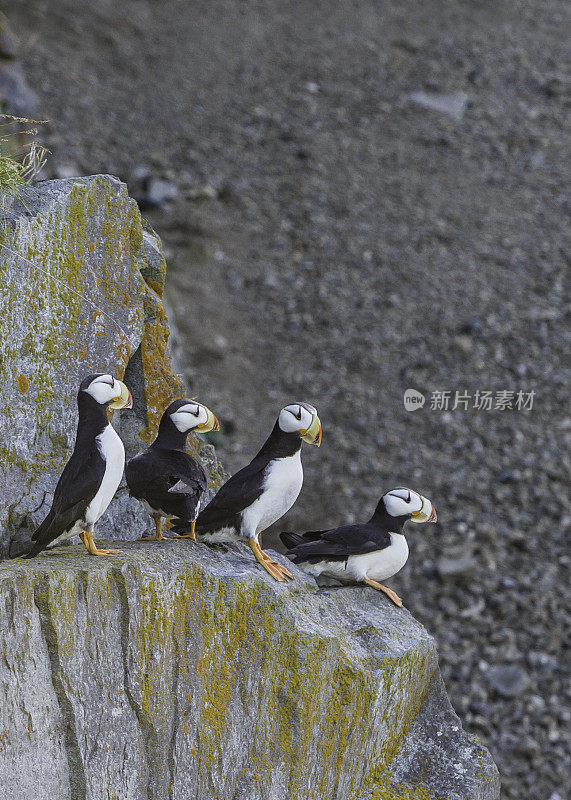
pixel 81 280
pixel 183 672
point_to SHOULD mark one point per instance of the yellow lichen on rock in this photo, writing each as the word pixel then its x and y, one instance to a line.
pixel 74 264
pixel 300 694
pixel 23 384
pixel 161 383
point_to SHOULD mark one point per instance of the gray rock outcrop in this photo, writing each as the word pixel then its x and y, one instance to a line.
pixel 175 671
pixel 182 671
pixel 81 281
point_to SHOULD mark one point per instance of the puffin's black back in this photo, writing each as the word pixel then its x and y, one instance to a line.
pixel 245 486
pixel 166 476
pixel 152 476
pixel 81 477
pixel 337 544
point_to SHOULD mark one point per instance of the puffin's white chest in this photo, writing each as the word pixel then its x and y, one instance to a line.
pixel 378 565
pixel 381 564
pixel 113 453
pixel 282 485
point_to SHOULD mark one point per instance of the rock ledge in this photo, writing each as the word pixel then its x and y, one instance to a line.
pixel 182 671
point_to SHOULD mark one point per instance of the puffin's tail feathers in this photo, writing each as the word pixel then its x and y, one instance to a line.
pixel 291 540
pixel 37 548
pixel 179 526
pixel 40 536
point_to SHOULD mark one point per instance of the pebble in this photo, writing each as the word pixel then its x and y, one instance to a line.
pixel 452 105
pixel 450 211
pixel 8 47
pixel 452 568
pixel 204 192
pixel 159 191
pixel 508 680
pixel 64 170
pixel 16 96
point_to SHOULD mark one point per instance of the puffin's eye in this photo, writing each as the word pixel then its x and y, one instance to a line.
pixel 298 415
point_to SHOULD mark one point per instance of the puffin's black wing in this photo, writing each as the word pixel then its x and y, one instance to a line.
pixel 77 486
pixel 237 494
pixel 168 480
pixel 339 543
pixel 292 540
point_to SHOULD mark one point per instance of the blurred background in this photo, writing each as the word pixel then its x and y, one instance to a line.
pixel 356 199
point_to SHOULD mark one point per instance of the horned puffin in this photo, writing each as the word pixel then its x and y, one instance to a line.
pixel 168 481
pixel 91 476
pixel 260 493
pixel 369 552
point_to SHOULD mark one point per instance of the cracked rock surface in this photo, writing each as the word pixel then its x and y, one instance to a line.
pixel 184 671
pixel 82 279
pixel 342 243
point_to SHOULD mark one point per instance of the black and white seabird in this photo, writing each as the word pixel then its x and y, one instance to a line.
pixel 260 493
pixel 91 476
pixel 367 553
pixel 168 480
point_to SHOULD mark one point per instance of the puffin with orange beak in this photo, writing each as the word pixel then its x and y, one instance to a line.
pixel 165 478
pixel 366 553
pixel 260 493
pixel 93 473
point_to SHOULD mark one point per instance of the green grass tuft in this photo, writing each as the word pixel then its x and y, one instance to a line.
pixel 21 160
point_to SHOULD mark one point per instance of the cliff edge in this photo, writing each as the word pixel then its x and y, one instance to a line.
pixel 183 671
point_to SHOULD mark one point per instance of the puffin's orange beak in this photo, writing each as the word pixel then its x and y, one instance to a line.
pixel 426 514
pixel 124 400
pixel 211 423
pixel 313 434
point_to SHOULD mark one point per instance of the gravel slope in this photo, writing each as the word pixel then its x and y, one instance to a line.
pixel 334 239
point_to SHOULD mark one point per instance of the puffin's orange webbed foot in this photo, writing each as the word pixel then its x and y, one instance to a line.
pixel 274 569
pixel 380 588
pixel 87 539
pixel 158 537
pixel 191 535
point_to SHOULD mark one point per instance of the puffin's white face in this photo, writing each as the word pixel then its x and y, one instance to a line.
pixel 403 502
pixel 107 390
pixel 194 416
pixel 301 418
